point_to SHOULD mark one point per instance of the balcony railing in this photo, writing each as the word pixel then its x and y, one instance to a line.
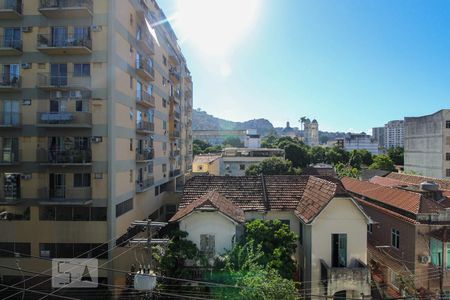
pixel 66 8
pixel 64 119
pixel 70 156
pixel 146 100
pixel 355 277
pixel 10 46
pixel 146 43
pixel 11 9
pixel 175 134
pixel 69 44
pixel 144 155
pixel 145 126
pixel 143 185
pixel 144 70
pixel 63 81
pixel 10 156
pixel 64 194
pixel 10 82
pixel 174 173
pixel 174 76
pixel 10 119
pixel 175 153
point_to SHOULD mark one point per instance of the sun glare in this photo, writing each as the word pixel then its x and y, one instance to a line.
pixel 215 26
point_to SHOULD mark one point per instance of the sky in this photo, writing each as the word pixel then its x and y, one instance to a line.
pixel 351 64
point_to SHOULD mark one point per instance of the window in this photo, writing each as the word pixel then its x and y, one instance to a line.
pixel 131 144
pixel 82 180
pixel 131 82
pixel 242 167
pixel 11 249
pixel 81 213
pixel 339 250
pixel 164 125
pixel 447 173
pixel 131 176
pixel 207 245
pixel 395 280
pixel 395 238
pixel 436 252
pixel 164 81
pixel 82 106
pixel 63 213
pixel 98 213
pixel 81 70
pixel 447 156
pixel 447 124
pixel 369 228
pixel 124 207
pixel 70 250
pixel 164 168
pixel 164 102
pixel 300 233
pixel 164 60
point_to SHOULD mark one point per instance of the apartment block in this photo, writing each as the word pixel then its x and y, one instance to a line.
pixel 95 128
pixel 359 141
pixel 394 134
pixel 427 144
pixel 378 135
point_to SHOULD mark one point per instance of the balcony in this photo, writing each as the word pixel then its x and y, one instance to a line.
pixel 174 76
pixel 65 196
pixel 68 45
pixel 356 277
pixel 175 153
pixel 10 119
pixel 10 46
pixel 175 114
pixel 174 173
pixel 72 81
pixel 144 184
pixel 72 9
pixel 10 157
pixel 11 9
pixel 144 155
pixel 145 43
pixel 174 134
pixel 64 157
pixel 10 82
pixel 146 100
pixel 64 119
pixel 145 127
pixel 144 70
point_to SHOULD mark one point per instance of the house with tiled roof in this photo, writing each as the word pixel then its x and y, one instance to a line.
pixel 206 164
pixel 409 245
pixel 332 251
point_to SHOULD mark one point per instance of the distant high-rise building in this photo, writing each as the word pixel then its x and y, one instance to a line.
pixel 311 132
pixel 378 135
pixel 427 144
pixel 394 134
pixel 360 141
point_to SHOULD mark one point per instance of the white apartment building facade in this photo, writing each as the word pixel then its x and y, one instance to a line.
pixel 394 134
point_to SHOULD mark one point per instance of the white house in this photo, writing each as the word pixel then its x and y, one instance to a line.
pixel 332 229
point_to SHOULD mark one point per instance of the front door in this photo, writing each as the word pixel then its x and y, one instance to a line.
pixel 11 114
pixel 339 250
pixel 59 36
pixel 11 39
pixel 58 75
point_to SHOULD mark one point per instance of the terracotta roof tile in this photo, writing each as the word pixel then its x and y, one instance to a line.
pixel 205 159
pixel 415 179
pixel 385 181
pixel 212 200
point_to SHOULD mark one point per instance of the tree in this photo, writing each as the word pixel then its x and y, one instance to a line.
pixel 271 166
pixel 355 160
pixel 346 171
pixel 269 141
pixel 199 146
pixel 317 155
pixel 382 162
pixel 297 154
pixel 366 157
pixel 213 149
pixel 336 155
pixel 233 142
pixel 396 155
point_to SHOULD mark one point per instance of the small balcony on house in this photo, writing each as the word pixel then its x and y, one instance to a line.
pixel 9 157
pixel 355 277
pixel 11 9
pixel 145 70
pixel 63 82
pixel 146 100
pixel 71 44
pixel 10 190
pixel 145 127
pixel 77 119
pixel 143 185
pixel 145 42
pixel 10 46
pixel 175 172
pixel 10 119
pixel 144 155
pixel 72 9
pixel 10 82
pixel 173 58
pixel 64 157
pixel 65 196
pixel 174 75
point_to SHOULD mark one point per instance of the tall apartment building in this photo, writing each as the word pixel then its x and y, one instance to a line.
pixel 95 128
pixel 394 134
pixel 359 141
pixel 427 144
pixel 311 132
pixel 378 135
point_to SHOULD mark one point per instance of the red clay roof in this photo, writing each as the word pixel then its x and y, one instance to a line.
pixel 385 181
pixel 205 159
pixel 415 179
pixel 305 195
pixel 213 200
pixel 405 200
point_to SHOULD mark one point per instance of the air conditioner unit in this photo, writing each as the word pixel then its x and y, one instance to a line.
pixel 27 29
pixel 26 66
pixel 45 253
pixel 96 28
pixel 424 259
pixel 25 176
pixel 96 139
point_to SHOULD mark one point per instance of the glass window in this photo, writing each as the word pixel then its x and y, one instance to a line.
pixel 395 238
pixel 47 213
pixel 436 252
pixel 82 250
pixel 63 213
pixel 447 124
pixel 81 213
pixel 64 250
pixel 339 250
pixel 47 250
pixel 98 214
pixel 369 228
pixel 81 70
pixel 82 180
pixel 300 233
pixel 207 244
pixel 242 167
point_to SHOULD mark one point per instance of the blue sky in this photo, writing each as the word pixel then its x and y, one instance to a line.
pixel 352 64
